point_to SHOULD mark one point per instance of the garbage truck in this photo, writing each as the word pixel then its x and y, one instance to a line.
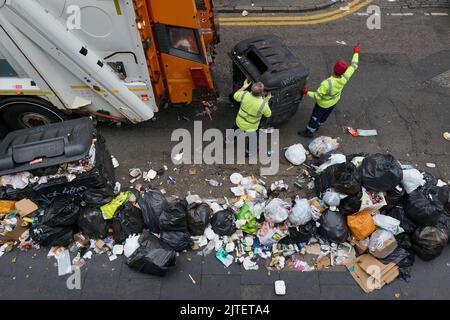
pixel 117 60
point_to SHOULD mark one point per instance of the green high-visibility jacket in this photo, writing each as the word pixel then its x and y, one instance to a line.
pixel 251 111
pixel 329 91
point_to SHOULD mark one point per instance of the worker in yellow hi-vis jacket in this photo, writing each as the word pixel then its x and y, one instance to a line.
pixel 329 93
pixel 253 107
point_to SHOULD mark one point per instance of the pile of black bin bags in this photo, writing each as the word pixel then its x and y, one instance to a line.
pixel 424 214
pixel 150 215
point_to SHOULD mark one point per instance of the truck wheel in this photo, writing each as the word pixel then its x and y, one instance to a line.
pixel 27 112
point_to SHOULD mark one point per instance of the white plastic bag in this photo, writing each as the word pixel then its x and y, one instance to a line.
pixel 301 213
pixel 333 159
pixel 412 179
pixel 296 154
pixel 323 144
pixel 277 211
pixel 382 243
pixel 131 244
pixel 388 223
pixel 332 198
pixel 372 201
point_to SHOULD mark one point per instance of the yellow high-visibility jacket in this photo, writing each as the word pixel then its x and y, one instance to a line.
pixel 251 111
pixel 329 91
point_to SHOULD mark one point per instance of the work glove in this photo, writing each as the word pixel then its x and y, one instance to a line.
pixel 304 90
pixel 247 83
pixel 356 49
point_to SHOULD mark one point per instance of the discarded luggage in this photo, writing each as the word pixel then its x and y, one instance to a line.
pixel 62 212
pixel 174 217
pixel 151 257
pixel 333 227
pixel 92 224
pixel 222 222
pixel 198 215
pixel 127 221
pixel 381 173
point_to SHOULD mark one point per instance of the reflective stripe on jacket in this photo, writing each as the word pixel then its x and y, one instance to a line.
pixel 251 111
pixel 329 91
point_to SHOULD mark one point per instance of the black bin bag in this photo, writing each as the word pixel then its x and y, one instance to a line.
pixel 198 218
pixel 222 222
pixel 333 227
pixel 98 196
pixel 399 213
pixel 92 224
pixel 128 220
pixel 151 257
pixel 301 233
pixel 394 197
pixel 177 240
pixel 403 258
pixel 428 242
pixel 424 206
pixel 62 212
pixel 152 203
pixel 174 217
pixel 346 179
pixel 351 204
pixel 51 236
pixel 381 172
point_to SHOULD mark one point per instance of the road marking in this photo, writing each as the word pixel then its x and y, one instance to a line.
pixel 439 14
pixel 401 14
pixel 286 22
pixel 289 18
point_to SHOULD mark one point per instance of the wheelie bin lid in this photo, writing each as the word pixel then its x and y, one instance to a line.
pixel 268 60
pixel 42 147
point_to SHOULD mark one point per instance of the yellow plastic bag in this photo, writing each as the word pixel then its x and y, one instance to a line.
pixel 361 224
pixel 110 208
pixel 7 206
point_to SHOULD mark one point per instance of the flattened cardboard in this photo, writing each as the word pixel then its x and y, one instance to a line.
pixel 362 272
pixel 26 207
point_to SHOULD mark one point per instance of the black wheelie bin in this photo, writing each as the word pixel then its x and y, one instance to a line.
pixel 268 60
pixel 66 158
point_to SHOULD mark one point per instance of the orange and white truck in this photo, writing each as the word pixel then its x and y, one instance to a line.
pixel 114 59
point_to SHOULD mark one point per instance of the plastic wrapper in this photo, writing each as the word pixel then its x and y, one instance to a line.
pixel 198 215
pixel 301 213
pixel 276 211
pixel 296 154
pixel 372 201
pixel 388 223
pixel 412 179
pixel 269 234
pixel 381 172
pixel 247 220
pixel 322 145
pixel 382 243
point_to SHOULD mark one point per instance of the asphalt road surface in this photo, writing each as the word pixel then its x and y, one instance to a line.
pixel 401 89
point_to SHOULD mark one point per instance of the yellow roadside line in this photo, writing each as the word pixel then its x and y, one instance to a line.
pixel 290 23
pixel 289 18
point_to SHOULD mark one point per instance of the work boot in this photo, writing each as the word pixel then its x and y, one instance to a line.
pixel 305 133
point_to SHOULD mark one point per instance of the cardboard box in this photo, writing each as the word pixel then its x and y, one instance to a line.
pixel 26 207
pixel 371 274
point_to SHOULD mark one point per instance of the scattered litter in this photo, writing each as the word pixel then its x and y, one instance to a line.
pixel 367 133
pixel 244 13
pixel 296 154
pixel 341 42
pixel 446 136
pixel 114 161
pixel 192 279
pixel 236 178
pixel 431 165
pixel 150 175
pixel 280 288
pixel 213 182
pixel 135 172
pixel 64 265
